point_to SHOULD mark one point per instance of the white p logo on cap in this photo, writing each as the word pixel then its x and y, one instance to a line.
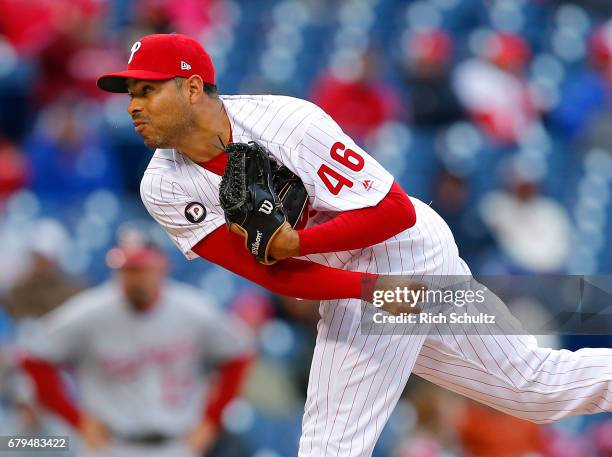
pixel 135 47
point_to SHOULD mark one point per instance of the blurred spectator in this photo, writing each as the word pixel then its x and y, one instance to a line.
pixel 14 172
pixel 303 316
pixel 143 349
pixel 602 437
pixel 67 39
pixel 433 102
pixel 151 16
pixel 485 432
pixel 359 103
pixel 191 17
pixel 585 94
pixel 16 80
pixel 493 89
pixel 533 231
pixel 436 412
pixel 44 286
pixel 68 156
pixel 253 308
pixel 567 443
pixel 279 390
pixel 32 25
pixel 452 202
pixel 587 100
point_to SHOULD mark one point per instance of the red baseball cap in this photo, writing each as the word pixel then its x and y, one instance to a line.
pixel 135 257
pixel 160 57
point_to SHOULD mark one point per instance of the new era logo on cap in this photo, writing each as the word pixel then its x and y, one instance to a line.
pixel 185 65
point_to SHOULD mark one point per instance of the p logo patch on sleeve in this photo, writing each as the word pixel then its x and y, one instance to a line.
pixel 195 212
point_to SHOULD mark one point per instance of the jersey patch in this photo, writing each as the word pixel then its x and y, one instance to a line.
pixel 195 212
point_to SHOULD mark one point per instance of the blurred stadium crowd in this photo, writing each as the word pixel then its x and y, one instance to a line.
pixel 497 112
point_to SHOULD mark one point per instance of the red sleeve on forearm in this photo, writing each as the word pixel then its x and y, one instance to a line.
pixel 50 389
pixel 360 228
pixel 230 377
pixel 291 277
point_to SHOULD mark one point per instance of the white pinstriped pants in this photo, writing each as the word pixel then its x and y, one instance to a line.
pixel 356 378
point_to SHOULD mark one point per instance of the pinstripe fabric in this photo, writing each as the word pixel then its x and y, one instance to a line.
pixel 298 134
pixel 356 377
pixel 512 374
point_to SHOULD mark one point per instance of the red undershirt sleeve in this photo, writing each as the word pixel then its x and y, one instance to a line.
pixel 291 277
pixel 229 380
pixel 50 390
pixel 360 228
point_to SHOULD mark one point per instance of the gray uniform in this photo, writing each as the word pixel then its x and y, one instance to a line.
pixel 141 373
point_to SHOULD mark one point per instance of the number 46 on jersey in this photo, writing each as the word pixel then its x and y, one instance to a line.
pixel 334 180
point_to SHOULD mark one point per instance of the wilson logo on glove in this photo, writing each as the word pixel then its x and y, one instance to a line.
pixel 266 207
pixel 258 196
pixel 255 246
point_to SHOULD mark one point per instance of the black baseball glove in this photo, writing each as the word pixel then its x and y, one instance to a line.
pixel 258 196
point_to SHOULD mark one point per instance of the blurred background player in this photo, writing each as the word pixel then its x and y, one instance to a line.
pixel 144 350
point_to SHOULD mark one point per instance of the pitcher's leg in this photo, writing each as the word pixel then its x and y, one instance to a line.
pixel 512 374
pixel 355 381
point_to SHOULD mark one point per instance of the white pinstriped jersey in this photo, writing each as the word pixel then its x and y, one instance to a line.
pixel 337 173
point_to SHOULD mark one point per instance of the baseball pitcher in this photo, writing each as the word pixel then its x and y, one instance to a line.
pixel 212 184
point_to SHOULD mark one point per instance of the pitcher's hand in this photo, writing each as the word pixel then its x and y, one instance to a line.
pixel 398 295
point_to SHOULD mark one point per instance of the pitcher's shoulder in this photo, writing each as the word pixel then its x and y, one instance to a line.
pixel 163 160
pixel 235 102
pixel 161 171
